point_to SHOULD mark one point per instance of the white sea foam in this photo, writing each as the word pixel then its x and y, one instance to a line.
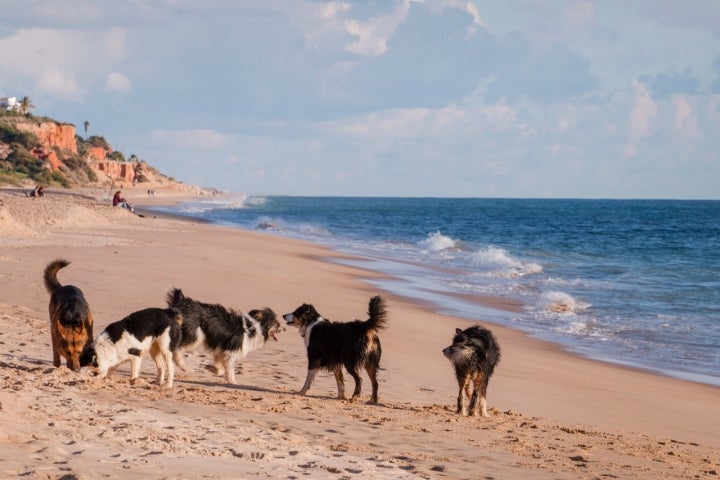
pixel 220 203
pixel 437 242
pixel 280 227
pixel 560 303
pixel 501 264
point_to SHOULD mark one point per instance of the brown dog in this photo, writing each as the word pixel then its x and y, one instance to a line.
pixel 71 322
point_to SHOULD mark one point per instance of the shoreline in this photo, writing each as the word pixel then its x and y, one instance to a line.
pixel 554 414
pixel 486 303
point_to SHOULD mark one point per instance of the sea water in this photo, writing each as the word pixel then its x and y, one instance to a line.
pixel 634 282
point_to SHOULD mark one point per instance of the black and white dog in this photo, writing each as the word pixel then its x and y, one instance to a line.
pixel 330 345
pixel 474 353
pixel 228 334
pixel 156 330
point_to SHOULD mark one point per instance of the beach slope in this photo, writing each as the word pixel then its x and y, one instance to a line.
pixel 553 415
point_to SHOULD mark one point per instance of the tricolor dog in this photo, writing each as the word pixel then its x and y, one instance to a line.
pixel 226 333
pixel 156 330
pixel 332 345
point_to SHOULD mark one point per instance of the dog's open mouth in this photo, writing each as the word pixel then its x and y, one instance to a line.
pixel 273 336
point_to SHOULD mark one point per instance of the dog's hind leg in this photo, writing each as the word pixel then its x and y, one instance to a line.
pixel 219 363
pixel 308 380
pixel 179 360
pixel 340 382
pixel 479 395
pixel 160 362
pixel 358 383
pixel 167 356
pixel 372 373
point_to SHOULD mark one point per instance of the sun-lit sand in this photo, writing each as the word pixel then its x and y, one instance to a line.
pixel 553 415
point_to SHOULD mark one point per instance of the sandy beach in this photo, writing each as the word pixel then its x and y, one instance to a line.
pixel 553 415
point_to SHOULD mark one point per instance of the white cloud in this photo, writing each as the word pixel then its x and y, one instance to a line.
pixel 56 83
pixel 499 116
pixel 332 10
pixel 643 111
pixel 372 36
pixel 401 123
pixel 196 139
pixel 114 43
pixel 63 63
pixel 685 122
pixel 117 82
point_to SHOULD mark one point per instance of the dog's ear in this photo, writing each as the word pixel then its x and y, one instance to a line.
pixel 457 331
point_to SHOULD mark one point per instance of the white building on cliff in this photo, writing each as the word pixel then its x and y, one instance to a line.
pixel 9 103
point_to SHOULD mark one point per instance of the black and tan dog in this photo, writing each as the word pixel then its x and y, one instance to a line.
pixel 474 354
pixel 332 345
pixel 71 322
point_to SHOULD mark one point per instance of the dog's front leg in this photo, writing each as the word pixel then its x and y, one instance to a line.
pixel 56 352
pixel 156 355
pixel 308 381
pixel 340 382
pixel 229 361
pixel 170 369
pixel 135 366
pixel 463 393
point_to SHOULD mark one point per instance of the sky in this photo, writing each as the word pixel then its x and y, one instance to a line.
pixel 428 98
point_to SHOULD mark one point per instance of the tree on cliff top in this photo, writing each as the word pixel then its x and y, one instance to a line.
pixel 25 105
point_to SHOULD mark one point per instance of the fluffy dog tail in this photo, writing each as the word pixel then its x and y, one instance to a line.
pixel 377 314
pixel 174 298
pixel 50 277
pixel 176 314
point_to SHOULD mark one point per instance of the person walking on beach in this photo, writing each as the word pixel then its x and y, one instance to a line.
pixel 119 201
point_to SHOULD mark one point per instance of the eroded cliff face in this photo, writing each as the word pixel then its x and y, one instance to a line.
pixel 52 134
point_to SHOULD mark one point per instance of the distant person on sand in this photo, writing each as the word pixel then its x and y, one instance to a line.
pixel 37 192
pixel 119 201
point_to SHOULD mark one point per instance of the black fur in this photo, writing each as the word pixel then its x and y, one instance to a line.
pixel 224 330
pixel 150 322
pixel 143 323
pixel 154 329
pixel 474 353
pixel 332 345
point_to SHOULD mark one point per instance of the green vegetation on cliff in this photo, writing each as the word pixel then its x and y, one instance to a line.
pixel 21 155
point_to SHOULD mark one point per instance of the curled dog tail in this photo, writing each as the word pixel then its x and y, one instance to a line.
pixel 377 314
pixel 174 298
pixel 50 276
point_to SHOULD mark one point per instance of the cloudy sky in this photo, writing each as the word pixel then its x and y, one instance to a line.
pixel 479 98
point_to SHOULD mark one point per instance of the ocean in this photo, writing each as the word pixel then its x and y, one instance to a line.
pixel 632 282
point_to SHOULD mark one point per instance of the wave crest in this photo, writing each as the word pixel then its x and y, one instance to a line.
pixel 560 303
pixel 501 263
pixel 437 242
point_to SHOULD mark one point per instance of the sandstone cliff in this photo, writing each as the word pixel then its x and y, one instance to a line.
pixel 60 137
pixel 52 134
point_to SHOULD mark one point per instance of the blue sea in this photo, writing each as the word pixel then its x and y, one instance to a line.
pixel 633 282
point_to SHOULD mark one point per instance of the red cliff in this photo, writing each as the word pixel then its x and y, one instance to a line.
pixel 52 134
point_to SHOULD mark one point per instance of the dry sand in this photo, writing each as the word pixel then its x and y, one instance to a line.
pixel 553 415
